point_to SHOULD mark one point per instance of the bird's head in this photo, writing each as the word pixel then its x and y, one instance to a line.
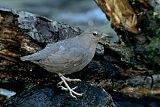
pixel 98 36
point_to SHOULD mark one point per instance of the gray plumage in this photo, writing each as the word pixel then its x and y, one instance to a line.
pixel 67 56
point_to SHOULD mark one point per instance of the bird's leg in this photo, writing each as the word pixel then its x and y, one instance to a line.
pixel 67 88
pixel 70 80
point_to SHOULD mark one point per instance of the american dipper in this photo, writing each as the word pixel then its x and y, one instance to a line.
pixel 67 56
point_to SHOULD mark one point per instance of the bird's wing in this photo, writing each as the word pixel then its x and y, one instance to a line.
pixel 70 56
pixel 66 57
pixel 42 54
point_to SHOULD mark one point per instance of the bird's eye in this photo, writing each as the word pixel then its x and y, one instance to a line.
pixel 95 33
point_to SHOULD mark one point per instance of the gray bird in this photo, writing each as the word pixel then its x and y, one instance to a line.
pixel 67 56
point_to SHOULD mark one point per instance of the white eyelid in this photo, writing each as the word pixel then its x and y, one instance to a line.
pixel 95 33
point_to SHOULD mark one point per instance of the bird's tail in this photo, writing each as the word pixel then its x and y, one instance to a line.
pixel 25 58
pixel 28 58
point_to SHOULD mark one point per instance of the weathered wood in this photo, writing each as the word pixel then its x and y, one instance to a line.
pixel 137 23
pixel 23 33
pixel 138 26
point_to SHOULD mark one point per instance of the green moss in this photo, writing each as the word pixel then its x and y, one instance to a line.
pixel 153 48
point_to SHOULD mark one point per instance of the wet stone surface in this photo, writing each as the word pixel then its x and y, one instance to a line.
pixel 50 96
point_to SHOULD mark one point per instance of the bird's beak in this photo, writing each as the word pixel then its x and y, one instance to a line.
pixel 105 36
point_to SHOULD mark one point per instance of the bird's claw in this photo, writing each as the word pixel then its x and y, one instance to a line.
pixel 73 92
pixel 67 88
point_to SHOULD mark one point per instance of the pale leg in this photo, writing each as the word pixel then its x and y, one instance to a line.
pixel 71 90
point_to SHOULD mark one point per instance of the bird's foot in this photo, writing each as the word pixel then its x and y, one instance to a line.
pixel 67 79
pixel 71 91
pixel 67 88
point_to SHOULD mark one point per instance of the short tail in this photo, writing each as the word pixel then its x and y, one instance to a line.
pixel 24 58
pixel 32 57
pixel 27 58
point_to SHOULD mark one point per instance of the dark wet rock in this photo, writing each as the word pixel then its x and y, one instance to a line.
pixel 51 96
pixel 23 33
pixel 123 100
